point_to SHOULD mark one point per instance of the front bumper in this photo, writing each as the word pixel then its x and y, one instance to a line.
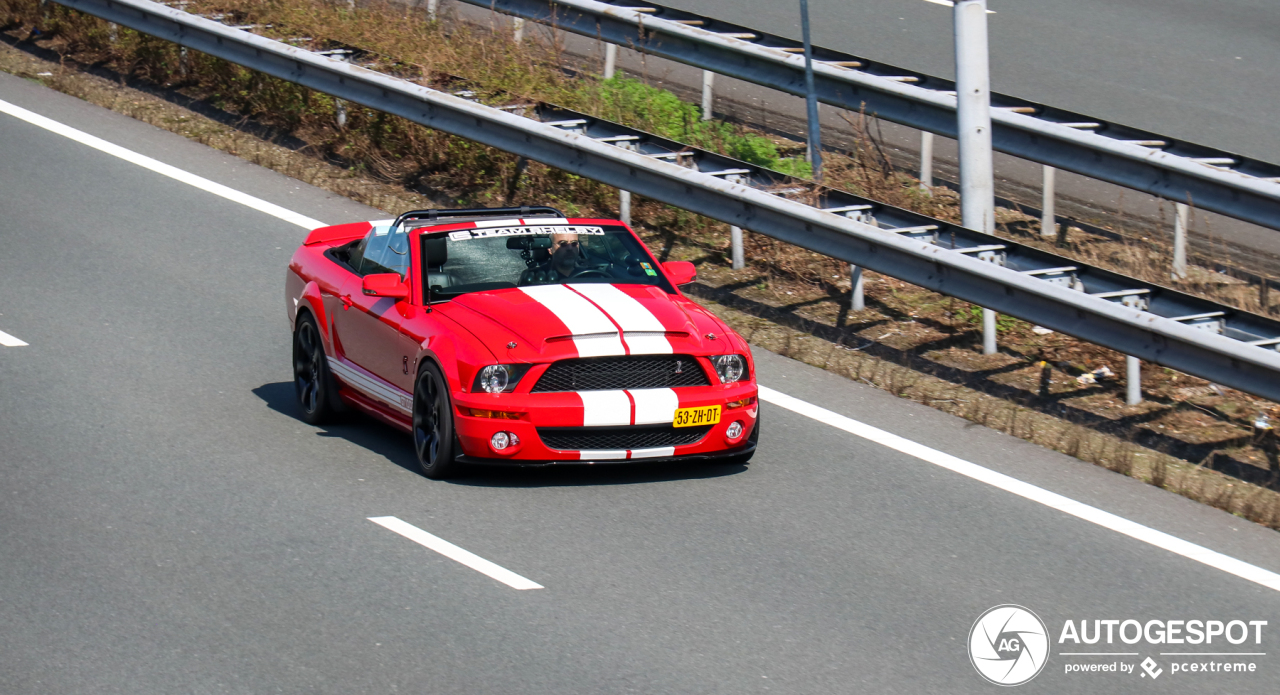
pixel 565 409
pixel 685 458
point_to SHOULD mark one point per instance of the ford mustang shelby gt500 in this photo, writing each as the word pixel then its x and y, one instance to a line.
pixel 516 336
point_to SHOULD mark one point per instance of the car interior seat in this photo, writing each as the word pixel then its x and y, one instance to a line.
pixel 436 251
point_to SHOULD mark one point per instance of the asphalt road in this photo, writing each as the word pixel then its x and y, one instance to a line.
pixel 169 525
pixel 1204 72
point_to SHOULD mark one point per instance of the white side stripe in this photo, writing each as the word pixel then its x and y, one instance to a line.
pixel 1107 520
pixel 605 408
pixel 372 386
pixel 455 553
pixel 160 167
pixel 650 335
pixel 10 341
pixel 581 318
pixel 654 406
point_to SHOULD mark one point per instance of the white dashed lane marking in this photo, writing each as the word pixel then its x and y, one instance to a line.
pixel 455 553
pixel 10 341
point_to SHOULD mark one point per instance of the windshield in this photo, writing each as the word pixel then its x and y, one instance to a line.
pixel 475 260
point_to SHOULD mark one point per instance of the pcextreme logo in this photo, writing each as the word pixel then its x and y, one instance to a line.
pixel 1010 645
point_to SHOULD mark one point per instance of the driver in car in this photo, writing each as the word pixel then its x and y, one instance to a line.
pixel 561 263
pixel 564 253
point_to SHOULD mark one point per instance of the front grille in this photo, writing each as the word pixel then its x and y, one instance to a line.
pixel 645 437
pixel 630 372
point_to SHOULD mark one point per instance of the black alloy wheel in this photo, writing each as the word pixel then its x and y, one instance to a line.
pixel 433 424
pixel 312 382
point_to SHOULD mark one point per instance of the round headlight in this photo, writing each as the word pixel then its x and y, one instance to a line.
pixel 730 368
pixel 500 441
pixel 493 379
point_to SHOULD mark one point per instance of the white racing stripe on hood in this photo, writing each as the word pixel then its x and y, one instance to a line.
pixel 631 315
pixel 605 408
pixel 582 318
pixel 655 406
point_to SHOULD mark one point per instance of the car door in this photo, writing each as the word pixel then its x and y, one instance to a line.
pixel 368 329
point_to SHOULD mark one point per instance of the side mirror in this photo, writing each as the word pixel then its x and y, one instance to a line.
pixel 385 285
pixel 680 272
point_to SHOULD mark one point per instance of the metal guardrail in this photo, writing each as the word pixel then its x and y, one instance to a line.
pixel 1194 335
pixel 1184 172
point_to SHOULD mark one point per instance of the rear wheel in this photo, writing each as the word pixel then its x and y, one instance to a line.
pixel 433 424
pixel 312 382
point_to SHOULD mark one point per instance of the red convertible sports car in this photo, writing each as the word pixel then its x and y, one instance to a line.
pixel 516 336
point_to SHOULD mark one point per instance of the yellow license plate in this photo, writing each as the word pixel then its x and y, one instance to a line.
pixel 692 417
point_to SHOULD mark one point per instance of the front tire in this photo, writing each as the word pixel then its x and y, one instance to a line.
pixel 433 424
pixel 312 383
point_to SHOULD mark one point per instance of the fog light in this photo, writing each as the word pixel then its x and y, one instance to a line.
pixel 735 430
pixel 502 440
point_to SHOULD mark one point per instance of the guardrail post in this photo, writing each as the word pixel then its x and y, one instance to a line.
pixel 432 6
pixel 113 32
pixel 708 96
pixel 1180 240
pixel 624 206
pixel 610 59
pixel 1048 216
pixel 1133 380
pixel 340 112
pixel 926 161
pixel 989 346
pixel 811 97
pixel 518 30
pixel 184 62
pixel 340 106
pixel 735 248
pixel 857 299
pixel 973 108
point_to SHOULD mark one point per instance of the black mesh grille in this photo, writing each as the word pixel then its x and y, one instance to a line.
pixel 571 438
pixel 631 372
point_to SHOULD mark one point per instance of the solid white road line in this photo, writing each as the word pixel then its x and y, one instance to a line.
pixel 455 553
pixel 1094 515
pixel 159 167
pixel 1228 564
pixel 10 341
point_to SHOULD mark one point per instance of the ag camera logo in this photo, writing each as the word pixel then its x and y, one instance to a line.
pixel 1008 645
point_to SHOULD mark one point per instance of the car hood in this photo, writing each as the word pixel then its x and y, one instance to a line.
pixel 550 322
